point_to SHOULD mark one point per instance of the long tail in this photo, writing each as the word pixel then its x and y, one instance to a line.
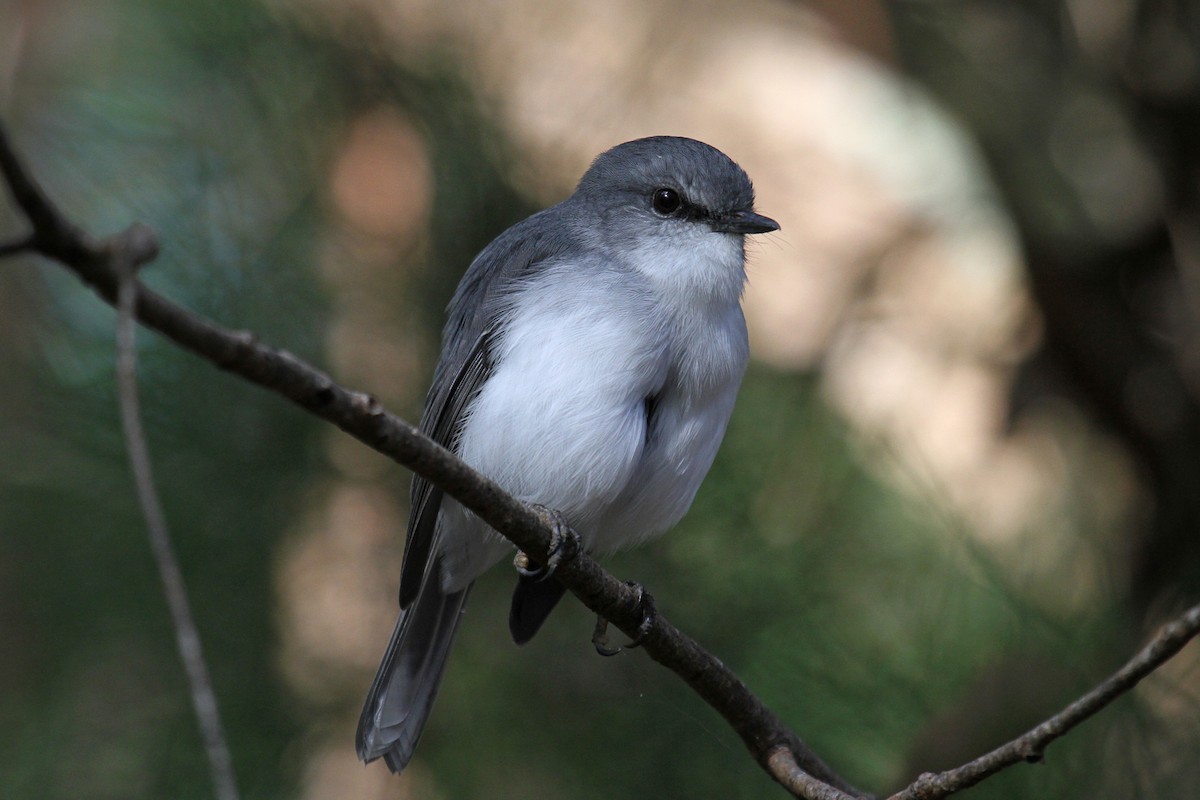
pixel 409 675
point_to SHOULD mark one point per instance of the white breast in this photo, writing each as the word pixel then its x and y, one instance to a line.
pixel 709 349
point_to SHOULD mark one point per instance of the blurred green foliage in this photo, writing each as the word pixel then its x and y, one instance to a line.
pixel 867 620
pixel 183 129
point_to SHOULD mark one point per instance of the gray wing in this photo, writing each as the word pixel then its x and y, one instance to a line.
pixel 469 342
pixel 441 422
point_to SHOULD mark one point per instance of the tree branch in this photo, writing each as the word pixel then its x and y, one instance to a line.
pixel 777 749
pixel 1029 747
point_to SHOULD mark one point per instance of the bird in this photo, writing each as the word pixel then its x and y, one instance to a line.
pixel 590 361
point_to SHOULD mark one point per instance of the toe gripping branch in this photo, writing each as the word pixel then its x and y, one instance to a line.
pixel 644 605
pixel 564 544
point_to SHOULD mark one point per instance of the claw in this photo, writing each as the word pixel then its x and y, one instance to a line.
pixel 564 541
pixel 600 638
pixel 645 603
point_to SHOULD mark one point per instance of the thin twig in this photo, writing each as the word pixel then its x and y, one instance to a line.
pixel 781 763
pixel 11 248
pixel 1030 746
pixel 187 636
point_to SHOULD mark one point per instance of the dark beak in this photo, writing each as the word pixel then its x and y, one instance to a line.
pixel 744 222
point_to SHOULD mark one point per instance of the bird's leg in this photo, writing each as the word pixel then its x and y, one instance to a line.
pixel 645 605
pixel 564 544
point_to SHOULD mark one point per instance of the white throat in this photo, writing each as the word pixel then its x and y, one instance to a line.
pixel 692 267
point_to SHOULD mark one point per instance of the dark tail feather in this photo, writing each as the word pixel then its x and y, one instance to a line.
pixel 533 600
pixel 409 675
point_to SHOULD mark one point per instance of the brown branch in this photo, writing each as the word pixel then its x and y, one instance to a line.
pixel 1029 747
pixel 361 416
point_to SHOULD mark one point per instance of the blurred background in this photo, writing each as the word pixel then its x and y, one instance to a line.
pixel 961 485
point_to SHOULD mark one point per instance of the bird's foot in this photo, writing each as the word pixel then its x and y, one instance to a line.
pixel 644 603
pixel 564 544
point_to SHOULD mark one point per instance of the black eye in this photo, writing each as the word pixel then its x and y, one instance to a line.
pixel 666 201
